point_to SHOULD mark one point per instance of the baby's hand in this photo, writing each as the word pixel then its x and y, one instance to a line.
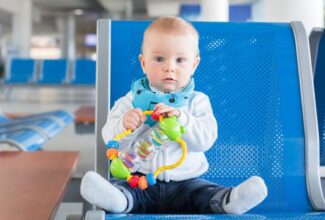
pixel 167 110
pixel 133 119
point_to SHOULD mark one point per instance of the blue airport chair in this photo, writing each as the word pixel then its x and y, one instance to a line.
pixel 84 72
pixel 259 80
pixel 61 116
pixel 3 118
pixel 317 51
pixel 66 117
pixel 47 125
pixel 25 139
pixel 21 71
pixel 53 71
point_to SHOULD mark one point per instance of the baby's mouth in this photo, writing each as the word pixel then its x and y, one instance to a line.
pixel 169 80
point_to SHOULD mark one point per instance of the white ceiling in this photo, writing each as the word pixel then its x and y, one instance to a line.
pixel 112 6
pixel 48 10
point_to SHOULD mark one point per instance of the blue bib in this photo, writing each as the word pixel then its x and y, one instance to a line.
pixel 146 99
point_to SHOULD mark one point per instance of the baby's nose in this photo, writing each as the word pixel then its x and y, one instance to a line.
pixel 169 67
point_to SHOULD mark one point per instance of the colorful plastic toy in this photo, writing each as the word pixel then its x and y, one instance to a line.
pixel 123 164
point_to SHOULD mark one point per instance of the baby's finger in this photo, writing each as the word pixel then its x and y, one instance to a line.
pixel 132 120
pixel 158 105
pixel 165 109
pixel 131 126
pixel 138 112
pixel 175 112
pixel 135 114
pixel 131 123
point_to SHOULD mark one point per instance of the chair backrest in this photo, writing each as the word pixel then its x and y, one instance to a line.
pixel 256 75
pixel 315 37
pixel 53 71
pixel 21 70
pixel 317 50
pixel 84 72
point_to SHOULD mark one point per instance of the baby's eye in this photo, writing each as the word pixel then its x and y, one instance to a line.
pixel 180 60
pixel 159 59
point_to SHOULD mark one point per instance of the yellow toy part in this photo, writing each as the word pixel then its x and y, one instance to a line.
pixel 169 127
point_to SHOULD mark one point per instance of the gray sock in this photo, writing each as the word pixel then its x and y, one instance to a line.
pixel 98 191
pixel 245 196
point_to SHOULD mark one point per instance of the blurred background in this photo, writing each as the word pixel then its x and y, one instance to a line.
pixel 66 28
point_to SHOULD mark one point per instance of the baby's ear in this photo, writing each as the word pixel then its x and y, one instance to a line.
pixel 196 62
pixel 141 59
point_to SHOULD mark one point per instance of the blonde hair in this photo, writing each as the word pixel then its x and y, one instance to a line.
pixel 171 25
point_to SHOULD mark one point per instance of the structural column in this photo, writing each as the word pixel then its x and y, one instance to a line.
pixel 215 10
pixel 71 37
pixel 311 13
pixel 22 28
pixel 67 31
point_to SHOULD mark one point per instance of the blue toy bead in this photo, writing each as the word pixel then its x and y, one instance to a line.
pixel 151 180
pixel 112 144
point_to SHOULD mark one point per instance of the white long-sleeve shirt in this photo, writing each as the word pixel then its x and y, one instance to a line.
pixel 201 132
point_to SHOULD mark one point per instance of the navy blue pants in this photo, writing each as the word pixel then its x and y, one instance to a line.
pixel 192 196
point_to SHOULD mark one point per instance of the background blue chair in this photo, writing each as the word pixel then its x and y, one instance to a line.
pixel 317 51
pixel 259 80
pixel 84 72
pixel 22 131
pixel 46 126
pixel 53 71
pixel 25 139
pixel 21 71
pixel 3 118
pixel 62 116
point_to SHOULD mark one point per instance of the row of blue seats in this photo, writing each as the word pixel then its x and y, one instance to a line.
pixel 51 71
pixel 31 132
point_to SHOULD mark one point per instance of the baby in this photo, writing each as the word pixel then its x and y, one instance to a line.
pixel 169 58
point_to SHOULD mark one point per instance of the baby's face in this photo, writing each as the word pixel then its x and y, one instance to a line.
pixel 169 60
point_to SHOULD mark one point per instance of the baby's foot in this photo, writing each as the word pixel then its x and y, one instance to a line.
pixel 245 196
pixel 98 191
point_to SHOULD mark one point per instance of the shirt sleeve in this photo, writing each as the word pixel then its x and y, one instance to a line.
pixel 200 124
pixel 114 122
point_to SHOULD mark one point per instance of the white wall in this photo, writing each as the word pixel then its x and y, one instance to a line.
pixel 215 10
pixel 311 12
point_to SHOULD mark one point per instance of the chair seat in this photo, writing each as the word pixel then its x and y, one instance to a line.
pixel 64 116
pixel 46 126
pixel 280 216
pixel 24 139
pixel 30 132
pixel 18 80
pixel 60 116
